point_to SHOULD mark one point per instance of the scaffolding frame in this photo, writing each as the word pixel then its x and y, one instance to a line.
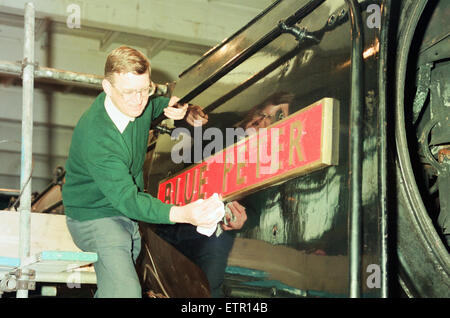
pixel 27 140
pixel 29 70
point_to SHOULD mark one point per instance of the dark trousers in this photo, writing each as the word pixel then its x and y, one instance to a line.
pixel 208 253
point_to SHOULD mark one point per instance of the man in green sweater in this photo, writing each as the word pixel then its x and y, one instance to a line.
pixel 103 192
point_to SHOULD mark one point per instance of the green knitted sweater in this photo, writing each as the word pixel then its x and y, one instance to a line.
pixel 104 169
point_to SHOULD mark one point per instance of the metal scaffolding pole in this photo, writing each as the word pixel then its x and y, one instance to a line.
pixel 27 138
pixel 64 76
pixel 55 74
pixel 72 277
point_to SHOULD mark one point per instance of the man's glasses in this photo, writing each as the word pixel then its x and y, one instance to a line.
pixel 129 94
pixel 273 116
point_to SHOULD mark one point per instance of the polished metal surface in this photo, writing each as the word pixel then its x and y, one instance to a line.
pixel 300 239
pixel 305 219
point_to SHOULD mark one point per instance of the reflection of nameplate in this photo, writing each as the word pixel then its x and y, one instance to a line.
pixel 300 143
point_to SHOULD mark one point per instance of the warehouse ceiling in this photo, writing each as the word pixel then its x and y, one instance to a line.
pixel 173 34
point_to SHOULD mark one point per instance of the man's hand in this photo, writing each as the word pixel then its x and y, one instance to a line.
pixel 195 116
pixel 175 110
pixel 239 217
pixel 205 213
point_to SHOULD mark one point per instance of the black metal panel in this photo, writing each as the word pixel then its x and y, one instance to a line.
pixel 303 221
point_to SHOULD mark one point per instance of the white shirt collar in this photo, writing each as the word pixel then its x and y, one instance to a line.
pixel 119 119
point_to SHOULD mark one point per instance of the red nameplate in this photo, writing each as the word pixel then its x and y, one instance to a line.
pixel 303 142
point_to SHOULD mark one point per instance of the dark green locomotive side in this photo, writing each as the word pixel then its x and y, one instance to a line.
pixel 346 229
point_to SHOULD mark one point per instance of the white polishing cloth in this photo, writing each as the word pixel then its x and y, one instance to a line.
pixel 220 212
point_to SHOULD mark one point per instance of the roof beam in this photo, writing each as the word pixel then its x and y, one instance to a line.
pixel 109 38
pixel 156 47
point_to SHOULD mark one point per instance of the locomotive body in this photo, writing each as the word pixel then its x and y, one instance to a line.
pixel 356 225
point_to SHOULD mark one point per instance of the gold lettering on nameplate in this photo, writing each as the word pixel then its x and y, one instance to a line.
pixel 202 181
pixel 295 142
pixel 188 197
pixel 305 141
